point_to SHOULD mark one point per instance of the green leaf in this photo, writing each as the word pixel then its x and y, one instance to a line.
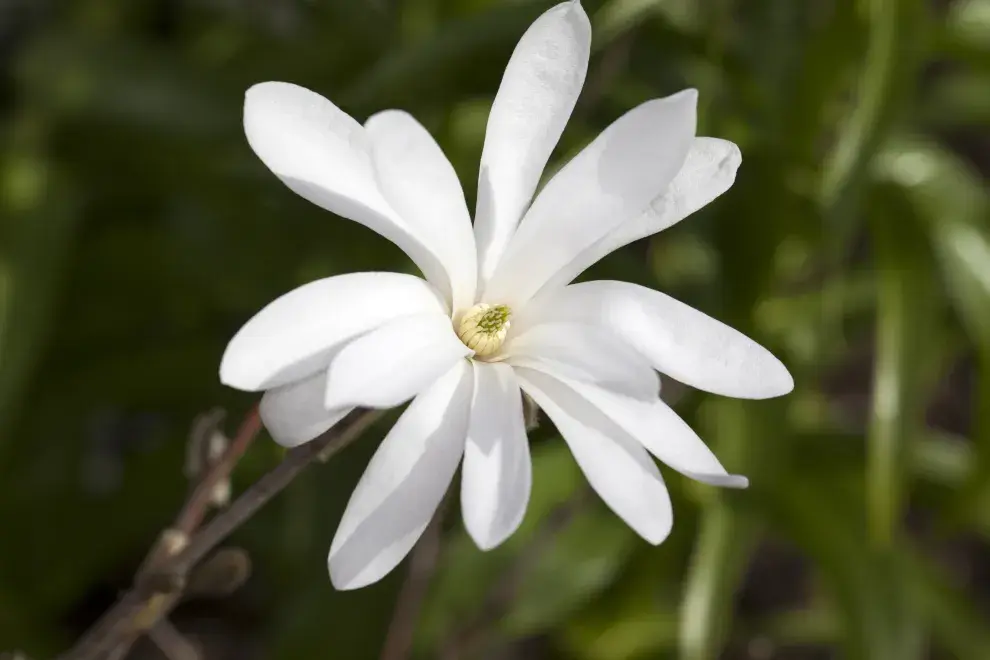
pixel 905 345
pixel 639 630
pixel 959 99
pixel 954 206
pixel 967 30
pixel 722 552
pixel 726 538
pixel 583 560
pixel 560 573
pixel 891 57
pixel 957 624
pixel 831 55
pixel 880 618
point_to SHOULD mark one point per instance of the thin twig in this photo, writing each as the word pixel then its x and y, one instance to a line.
pixel 159 590
pixel 174 539
pixel 199 501
pixel 204 428
pixel 120 652
pixel 296 460
pixel 172 643
pixel 422 566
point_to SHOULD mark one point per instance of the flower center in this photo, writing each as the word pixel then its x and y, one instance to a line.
pixel 483 328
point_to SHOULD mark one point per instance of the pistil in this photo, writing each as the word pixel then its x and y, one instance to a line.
pixel 483 328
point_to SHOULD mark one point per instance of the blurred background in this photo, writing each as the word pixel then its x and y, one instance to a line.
pixel 138 232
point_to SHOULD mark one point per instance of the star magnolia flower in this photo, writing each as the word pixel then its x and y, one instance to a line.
pixel 494 315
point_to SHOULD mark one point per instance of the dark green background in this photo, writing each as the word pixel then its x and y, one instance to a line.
pixel 138 232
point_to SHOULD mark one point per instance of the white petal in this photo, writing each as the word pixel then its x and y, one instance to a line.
pixel 538 92
pixel 422 186
pixel 658 428
pixel 324 155
pixel 588 353
pixel 611 181
pixel 393 363
pixel 708 171
pixel 403 484
pixel 677 340
pixel 497 473
pixel 294 413
pixel 296 334
pixel 617 466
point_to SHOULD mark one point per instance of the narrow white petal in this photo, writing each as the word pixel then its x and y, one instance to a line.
pixel 677 340
pixel 617 466
pixel 708 171
pixel 403 484
pixel 422 186
pixel 296 334
pixel 393 363
pixel 610 182
pixel 588 353
pixel 540 86
pixel 658 428
pixel 294 413
pixel 497 473
pixel 324 155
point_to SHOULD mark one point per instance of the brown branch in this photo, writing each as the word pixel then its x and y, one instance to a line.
pixel 422 565
pixel 172 643
pixel 174 539
pixel 159 586
pixel 199 501
pixel 200 447
pixel 296 460
pixel 120 652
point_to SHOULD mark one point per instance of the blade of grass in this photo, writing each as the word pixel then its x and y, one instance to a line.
pixel 876 92
pixel 722 551
pixel 954 206
pixel 905 302
pixel 879 618
pixel 957 624
pixel 725 543
pixel 891 29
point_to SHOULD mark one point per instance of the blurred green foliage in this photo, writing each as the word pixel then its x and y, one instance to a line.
pixel 138 231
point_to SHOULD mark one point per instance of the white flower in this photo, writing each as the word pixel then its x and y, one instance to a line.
pixel 494 314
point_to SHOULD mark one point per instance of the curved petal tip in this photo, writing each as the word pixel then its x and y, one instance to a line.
pixel 779 380
pixel 483 539
pixel 355 582
pixel 737 481
pixel 657 533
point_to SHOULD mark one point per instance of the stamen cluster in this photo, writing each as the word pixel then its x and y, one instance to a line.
pixel 483 328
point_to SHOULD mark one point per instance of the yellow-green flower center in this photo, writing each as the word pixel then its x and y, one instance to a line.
pixel 483 328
